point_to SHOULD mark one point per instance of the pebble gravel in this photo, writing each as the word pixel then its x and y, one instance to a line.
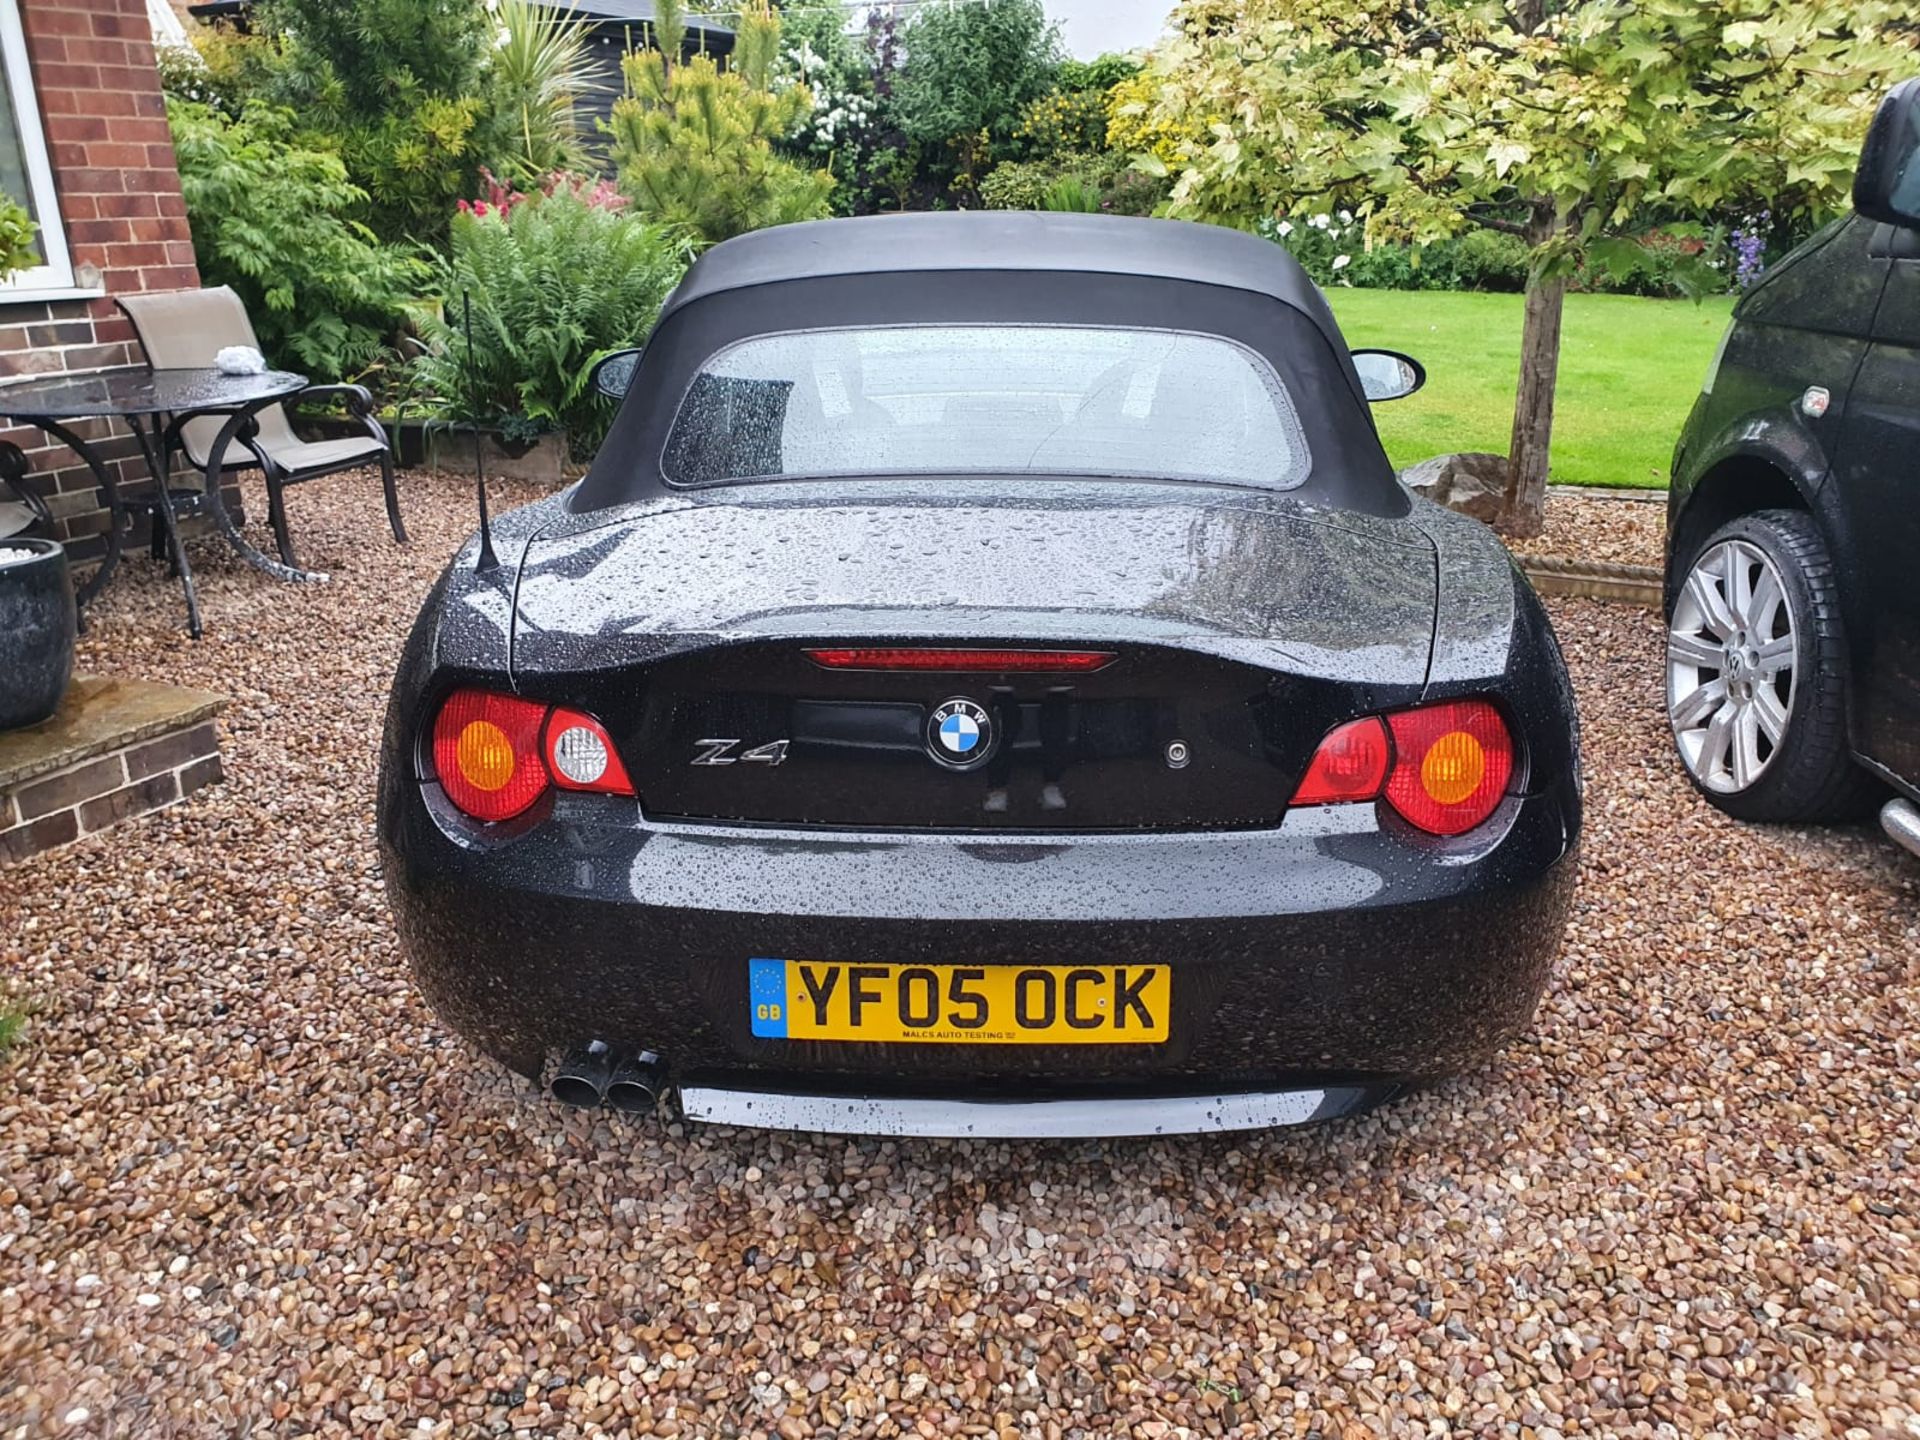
pixel 248 1187
pixel 1608 529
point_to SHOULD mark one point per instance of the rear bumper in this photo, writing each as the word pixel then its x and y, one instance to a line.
pixel 1025 1119
pixel 1324 954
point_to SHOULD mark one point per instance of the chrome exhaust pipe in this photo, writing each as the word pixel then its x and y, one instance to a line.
pixel 583 1076
pixel 637 1083
pixel 1901 821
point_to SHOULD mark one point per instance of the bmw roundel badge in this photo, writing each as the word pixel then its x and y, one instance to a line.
pixel 959 734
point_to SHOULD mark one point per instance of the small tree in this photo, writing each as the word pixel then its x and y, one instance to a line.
pixel 535 79
pixel 694 144
pixel 970 71
pixel 1561 121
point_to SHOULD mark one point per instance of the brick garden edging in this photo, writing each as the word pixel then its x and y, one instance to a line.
pixel 117 749
pixel 1592 580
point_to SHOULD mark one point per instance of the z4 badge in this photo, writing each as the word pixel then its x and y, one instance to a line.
pixel 720 752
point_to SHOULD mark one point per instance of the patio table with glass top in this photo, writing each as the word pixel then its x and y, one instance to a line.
pixel 154 404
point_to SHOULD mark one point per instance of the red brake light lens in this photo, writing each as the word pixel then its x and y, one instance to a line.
pixel 486 751
pixel 580 755
pixel 1451 765
pixel 1351 764
pixel 998 662
pixel 1443 768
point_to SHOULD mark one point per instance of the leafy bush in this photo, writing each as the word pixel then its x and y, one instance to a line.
pixel 1134 128
pixel 1116 189
pixel 1058 122
pixel 835 135
pixel 1131 192
pixel 1672 261
pixel 274 220
pixel 974 68
pixel 1019 185
pixel 394 86
pixel 556 280
pixel 1488 260
pixel 694 144
pixel 18 249
pixel 1096 76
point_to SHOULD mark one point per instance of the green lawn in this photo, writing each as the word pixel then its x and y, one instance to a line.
pixel 1629 371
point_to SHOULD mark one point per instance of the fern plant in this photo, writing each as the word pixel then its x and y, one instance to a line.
pixel 273 219
pixel 555 281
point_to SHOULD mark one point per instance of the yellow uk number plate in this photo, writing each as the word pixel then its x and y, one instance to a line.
pixel 960 1004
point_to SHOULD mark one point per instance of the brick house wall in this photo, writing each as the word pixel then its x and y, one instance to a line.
pixel 113 169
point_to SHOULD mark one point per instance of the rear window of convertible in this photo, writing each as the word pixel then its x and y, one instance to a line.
pixel 995 399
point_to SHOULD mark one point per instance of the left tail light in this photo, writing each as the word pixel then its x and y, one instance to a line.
pixel 1443 768
pixel 497 754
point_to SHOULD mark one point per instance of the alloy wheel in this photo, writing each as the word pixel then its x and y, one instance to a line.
pixel 1730 666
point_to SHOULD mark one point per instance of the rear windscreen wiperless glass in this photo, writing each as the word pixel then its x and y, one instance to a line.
pixel 993 399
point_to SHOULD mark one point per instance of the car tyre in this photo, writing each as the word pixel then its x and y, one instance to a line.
pixel 1757 674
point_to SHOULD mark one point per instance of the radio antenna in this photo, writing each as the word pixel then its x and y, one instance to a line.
pixel 486 560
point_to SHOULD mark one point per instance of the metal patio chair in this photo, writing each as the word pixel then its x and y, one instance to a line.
pixel 185 330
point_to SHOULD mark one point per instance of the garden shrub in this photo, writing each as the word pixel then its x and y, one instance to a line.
pixel 18 249
pixel 275 220
pixel 971 70
pixel 1060 122
pixel 1097 76
pixel 1019 185
pixel 1133 127
pixel 393 85
pixel 694 144
pixel 834 134
pixel 556 280
pixel 1488 260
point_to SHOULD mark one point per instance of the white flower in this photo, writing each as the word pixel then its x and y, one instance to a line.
pixel 1346 217
pixel 1318 222
pixel 1286 228
pixel 1340 262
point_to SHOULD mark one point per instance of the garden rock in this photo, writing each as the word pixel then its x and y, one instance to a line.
pixel 1473 483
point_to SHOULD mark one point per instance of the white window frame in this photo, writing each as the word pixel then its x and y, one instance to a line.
pixel 55 278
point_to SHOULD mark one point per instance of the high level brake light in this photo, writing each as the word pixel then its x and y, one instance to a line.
pixel 1443 768
pixel 496 754
pixel 963 661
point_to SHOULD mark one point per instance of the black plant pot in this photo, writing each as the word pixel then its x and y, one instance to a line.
pixel 36 630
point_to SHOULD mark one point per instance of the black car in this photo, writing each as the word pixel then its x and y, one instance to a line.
pixel 1793 651
pixel 990 682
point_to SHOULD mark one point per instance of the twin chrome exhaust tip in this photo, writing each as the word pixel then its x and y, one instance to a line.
pixel 598 1075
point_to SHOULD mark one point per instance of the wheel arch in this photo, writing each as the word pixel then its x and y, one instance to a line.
pixel 1735 485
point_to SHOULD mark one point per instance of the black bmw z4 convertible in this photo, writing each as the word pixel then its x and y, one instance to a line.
pixel 990 682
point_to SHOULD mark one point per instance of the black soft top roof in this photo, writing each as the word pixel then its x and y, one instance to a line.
pixel 1009 240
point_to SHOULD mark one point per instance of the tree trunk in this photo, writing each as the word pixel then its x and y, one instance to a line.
pixel 1525 511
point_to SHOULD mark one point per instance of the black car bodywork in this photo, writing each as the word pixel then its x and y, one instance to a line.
pixel 1803 445
pixel 1320 957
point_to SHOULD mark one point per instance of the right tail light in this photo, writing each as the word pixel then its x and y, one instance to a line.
pixel 1442 767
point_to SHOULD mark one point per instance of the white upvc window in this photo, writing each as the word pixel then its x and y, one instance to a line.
pixel 25 173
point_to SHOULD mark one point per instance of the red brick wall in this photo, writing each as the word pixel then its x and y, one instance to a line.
pixel 113 166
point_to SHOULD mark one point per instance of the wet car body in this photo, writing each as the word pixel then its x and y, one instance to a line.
pixel 1308 959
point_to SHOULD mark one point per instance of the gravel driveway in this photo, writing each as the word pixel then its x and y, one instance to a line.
pixel 247 1186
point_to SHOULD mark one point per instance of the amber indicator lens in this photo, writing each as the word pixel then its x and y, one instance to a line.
pixel 1442 767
